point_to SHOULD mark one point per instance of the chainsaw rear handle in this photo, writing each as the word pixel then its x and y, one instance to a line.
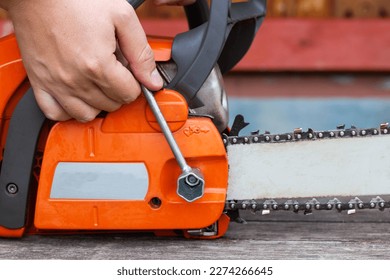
pixel 219 35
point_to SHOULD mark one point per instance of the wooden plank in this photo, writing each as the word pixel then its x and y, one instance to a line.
pixel 284 240
pixel 307 45
pixel 320 45
pixel 362 8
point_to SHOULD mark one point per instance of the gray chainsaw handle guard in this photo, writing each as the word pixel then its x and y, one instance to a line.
pixel 220 34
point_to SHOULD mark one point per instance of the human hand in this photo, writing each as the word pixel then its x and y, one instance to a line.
pixel 69 51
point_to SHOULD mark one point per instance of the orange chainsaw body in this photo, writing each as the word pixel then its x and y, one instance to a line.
pixel 129 138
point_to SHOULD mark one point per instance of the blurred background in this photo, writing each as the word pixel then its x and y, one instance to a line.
pixel 313 64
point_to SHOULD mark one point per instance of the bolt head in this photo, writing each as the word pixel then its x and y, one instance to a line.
pixel 190 185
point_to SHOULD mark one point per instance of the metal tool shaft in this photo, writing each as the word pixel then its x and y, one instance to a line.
pixel 166 131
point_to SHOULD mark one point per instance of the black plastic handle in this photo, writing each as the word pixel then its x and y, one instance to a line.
pixel 223 36
pixel 135 3
pixel 220 34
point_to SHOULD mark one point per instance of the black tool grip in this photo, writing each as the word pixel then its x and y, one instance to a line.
pixel 135 3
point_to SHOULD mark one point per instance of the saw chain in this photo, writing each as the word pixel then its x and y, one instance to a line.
pixel 305 205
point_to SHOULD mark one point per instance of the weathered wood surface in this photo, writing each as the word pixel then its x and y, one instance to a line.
pixel 278 236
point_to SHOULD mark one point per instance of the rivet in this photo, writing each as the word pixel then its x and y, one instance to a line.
pixel 12 188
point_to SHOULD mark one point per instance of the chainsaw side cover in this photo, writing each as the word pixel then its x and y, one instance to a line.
pixel 118 172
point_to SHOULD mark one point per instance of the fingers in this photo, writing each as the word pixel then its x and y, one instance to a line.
pixel 49 106
pixel 135 48
pixel 61 107
pixel 118 82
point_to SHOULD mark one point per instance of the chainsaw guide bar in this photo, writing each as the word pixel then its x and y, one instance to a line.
pixel 308 170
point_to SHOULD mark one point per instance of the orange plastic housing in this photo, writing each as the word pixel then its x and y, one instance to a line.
pixel 12 75
pixel 129 135
pixel 125 136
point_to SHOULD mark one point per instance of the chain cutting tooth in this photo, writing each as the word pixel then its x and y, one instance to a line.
pixel 253 205
pixel 341 126
pixel 384 125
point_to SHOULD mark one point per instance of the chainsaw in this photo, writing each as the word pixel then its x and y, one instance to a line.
pixel 168 163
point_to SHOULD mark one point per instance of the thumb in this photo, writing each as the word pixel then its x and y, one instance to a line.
pixel 135 48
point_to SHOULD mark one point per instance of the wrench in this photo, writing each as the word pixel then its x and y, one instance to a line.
pixel 190 184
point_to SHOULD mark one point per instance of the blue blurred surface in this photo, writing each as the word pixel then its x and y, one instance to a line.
pixel 285 114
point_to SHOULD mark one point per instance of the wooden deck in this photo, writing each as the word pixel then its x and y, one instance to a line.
pixel 284 236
